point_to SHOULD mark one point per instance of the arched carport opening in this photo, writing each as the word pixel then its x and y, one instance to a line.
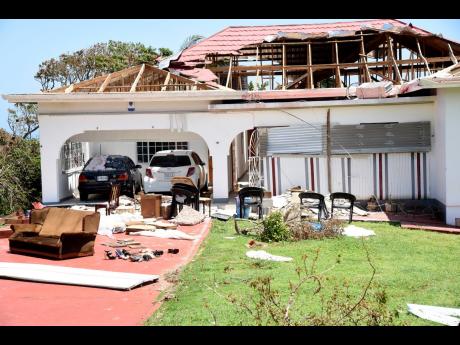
pixel 239 156
pixel 139 145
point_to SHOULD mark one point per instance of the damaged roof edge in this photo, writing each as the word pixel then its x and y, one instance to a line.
pixel 318 104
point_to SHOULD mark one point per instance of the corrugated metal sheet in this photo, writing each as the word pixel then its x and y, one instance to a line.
pixel 295 139
pixel 347 139
pixel 380 137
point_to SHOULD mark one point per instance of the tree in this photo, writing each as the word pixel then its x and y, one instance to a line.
pixel 20 181
pixel 190 41
pixel 83 64
pixel 23 120
pixel 99 59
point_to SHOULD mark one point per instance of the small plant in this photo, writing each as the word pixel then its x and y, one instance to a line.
pixel 274 228
pixel 269 306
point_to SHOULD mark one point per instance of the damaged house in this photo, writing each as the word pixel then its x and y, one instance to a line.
pixel 365 107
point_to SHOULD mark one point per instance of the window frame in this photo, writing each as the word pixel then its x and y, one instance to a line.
pixel 148 148
pixel 72 156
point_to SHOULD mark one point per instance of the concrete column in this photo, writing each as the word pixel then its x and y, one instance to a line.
pixel 219 152
pixel 50 170
pixel 448 105
pixel 448 164
pixel 51 141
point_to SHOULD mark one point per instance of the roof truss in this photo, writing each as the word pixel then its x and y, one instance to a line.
pixel 141 78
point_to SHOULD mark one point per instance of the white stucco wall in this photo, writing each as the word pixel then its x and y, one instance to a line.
pixel 241 156
pixel 447 179
pixel 101 121
pixel 68 179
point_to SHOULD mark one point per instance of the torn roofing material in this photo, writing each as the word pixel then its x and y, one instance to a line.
pixel 200 74
pixel 448 77
pixel 229 40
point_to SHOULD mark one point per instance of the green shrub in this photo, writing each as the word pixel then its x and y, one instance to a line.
pixel 274 228
pixel 20 181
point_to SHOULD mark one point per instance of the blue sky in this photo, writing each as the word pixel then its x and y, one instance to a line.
pixel 26 43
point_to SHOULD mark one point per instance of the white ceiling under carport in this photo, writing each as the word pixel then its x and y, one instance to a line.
pixel 135 135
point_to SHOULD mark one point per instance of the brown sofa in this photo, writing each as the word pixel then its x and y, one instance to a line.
pixel 56 233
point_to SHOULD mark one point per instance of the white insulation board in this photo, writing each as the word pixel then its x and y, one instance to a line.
pixel 74 276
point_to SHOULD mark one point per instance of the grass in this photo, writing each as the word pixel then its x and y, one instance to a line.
pixel 412 266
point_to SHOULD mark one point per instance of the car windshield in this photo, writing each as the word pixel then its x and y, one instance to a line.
pixel 104 162
pixel 170 161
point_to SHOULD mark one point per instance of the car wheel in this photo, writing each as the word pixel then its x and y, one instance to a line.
pixel 83 196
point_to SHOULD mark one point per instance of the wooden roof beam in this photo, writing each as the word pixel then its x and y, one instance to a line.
pixel 421 55
pixel 105 83
pixel 70 88
pixel 451 54
pixel 392 58
pixel 163 88
pixel 136 81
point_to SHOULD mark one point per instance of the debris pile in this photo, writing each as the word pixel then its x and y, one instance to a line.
pixel 263 255
pixel 188 216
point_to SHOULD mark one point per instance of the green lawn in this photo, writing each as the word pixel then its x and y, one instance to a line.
pixel 412 266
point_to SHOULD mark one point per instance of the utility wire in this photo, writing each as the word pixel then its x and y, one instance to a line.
pixel 318 129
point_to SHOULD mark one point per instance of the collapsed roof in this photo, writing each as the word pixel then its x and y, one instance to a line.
pixel 334 56
pixel 305 55
pixel 230 40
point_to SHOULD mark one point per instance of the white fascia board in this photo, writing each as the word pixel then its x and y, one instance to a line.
pixel 125 96
pixel 319 104
pixel 430 84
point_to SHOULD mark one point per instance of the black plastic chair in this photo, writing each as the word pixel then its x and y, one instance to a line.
pixel 254 193
pixel 320 204
pixel 347 196
pixel 183 194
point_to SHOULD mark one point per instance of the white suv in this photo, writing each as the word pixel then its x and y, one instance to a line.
pixel 165 165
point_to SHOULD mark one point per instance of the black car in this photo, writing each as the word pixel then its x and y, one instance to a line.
pixel 100 172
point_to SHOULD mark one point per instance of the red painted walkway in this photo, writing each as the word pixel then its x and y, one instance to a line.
pixel 29 303
pixel 407 221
